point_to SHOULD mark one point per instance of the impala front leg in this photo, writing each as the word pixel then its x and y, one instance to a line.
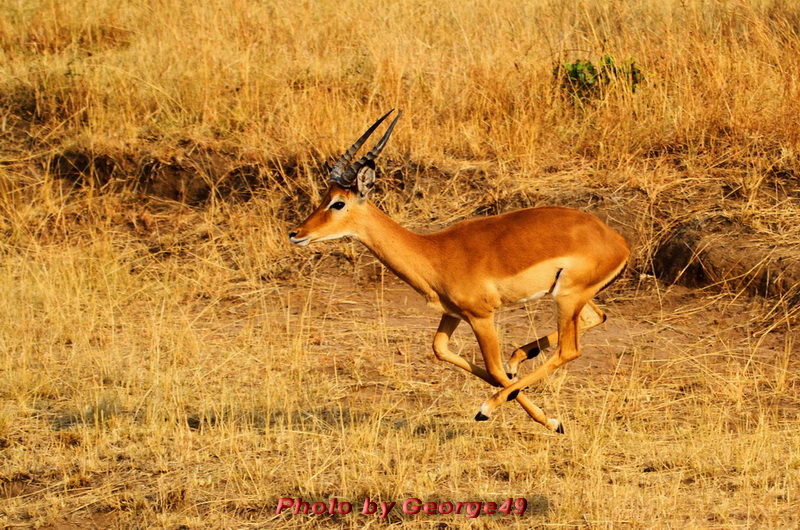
pixel 441 340
pixel 490 348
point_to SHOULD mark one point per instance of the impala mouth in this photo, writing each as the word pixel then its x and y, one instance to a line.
pixel 299 241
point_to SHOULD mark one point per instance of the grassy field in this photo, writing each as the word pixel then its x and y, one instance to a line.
pixel 167 359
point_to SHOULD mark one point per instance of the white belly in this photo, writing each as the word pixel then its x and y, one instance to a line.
pixel 533 283
pixel 531 298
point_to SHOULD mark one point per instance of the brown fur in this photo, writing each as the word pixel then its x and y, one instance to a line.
pixel 470 269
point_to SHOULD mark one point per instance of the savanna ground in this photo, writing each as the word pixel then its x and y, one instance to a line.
pixel 167 359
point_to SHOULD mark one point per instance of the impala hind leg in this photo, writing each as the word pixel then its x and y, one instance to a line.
pixel 490 348
pixel 529 351
pixel 569 315
pixel 591 316
pixel 441 340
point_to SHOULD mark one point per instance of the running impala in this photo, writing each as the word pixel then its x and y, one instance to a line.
pixel 470 269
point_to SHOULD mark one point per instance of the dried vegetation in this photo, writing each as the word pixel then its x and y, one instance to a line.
pixel 167 360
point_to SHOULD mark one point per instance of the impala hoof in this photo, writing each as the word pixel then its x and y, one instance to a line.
pixel 480 416
pixel 555 425
pixel 509 373
pixel 513 395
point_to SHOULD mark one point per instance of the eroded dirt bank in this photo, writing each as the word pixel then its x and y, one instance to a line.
pixel 712 235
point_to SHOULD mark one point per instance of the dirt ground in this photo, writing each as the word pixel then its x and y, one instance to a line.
pixel 666 332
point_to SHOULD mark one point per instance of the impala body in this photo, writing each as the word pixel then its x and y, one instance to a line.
pixel 470 269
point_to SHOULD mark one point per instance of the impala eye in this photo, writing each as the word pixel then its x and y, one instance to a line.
pixel 338 205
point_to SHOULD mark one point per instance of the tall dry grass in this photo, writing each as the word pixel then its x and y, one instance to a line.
pixel 475 79
pixel 165 364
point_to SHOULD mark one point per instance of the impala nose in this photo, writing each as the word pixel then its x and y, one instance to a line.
pixel 292 234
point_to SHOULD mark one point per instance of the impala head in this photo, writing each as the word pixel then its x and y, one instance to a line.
pixel 339 211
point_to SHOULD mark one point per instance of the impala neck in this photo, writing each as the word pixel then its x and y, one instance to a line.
pixel 405 253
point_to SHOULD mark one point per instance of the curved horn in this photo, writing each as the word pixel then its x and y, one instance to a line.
pixel 350 175
pixel 344 160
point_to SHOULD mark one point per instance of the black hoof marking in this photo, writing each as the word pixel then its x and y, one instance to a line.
pixel 534 352
pixel 560 429
pixel 513 395
pixel 480 416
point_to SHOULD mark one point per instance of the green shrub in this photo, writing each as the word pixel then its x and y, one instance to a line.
pixel 582 80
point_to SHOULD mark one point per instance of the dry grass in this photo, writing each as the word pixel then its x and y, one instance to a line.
pixel 176 365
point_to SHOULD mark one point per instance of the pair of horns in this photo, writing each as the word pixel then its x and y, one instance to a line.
pixel 345 176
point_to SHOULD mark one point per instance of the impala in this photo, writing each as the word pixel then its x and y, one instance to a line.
pixel 470 269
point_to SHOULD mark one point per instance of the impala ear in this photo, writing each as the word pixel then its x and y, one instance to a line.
pixel 365 180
